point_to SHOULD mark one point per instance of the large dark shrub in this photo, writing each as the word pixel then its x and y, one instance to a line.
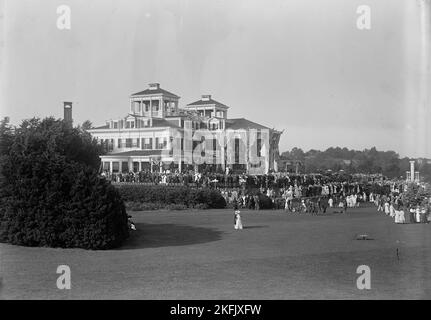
pixel 51 194
pixel 164 197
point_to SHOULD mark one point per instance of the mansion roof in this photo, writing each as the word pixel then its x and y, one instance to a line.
pixel 158 122
pixel 234 124
pixel 155 91
pixel 137 153
pixel 207 102
pixel 106 126
pixel 242 123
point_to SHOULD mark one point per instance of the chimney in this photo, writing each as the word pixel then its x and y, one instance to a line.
pixel 68 113
pixel 154 86
pixel 206 97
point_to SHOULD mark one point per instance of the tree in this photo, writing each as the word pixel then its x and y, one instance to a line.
pixel 87 125
pixel 51 193
pixel 5 136
pixel 297 154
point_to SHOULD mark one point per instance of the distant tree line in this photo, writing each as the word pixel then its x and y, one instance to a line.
pixel 369 161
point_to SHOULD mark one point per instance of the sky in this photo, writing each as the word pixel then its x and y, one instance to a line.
pixel 300 66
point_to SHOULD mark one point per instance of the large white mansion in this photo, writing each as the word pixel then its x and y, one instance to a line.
pixel 157 134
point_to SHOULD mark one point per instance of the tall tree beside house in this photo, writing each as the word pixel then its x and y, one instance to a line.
pixel 86 125
pixel 51 193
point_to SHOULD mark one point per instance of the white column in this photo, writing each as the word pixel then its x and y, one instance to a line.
pixel 161 108
pixel 151 108
pixel 412 171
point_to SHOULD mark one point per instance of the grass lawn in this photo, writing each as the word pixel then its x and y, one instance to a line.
pixel 198 255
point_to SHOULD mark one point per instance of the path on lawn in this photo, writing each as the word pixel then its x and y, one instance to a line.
pixel 198 255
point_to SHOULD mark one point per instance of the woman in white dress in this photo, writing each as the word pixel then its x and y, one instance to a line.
pixel 418 214
pixel 397 216
pixel 392 210
pixel 237 219
pixel 401 217
pixel 387 208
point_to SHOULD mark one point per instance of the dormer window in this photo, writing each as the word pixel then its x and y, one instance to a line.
pixel 154 86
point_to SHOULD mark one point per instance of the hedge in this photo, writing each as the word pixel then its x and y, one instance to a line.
pixel 149 197
pixel 50 198
pixel 73 209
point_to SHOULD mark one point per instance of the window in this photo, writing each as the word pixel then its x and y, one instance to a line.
pixel 115 125
pixel 147 143
pixel 161 142
pixel 115 166
pixel 236 150
pixel 135 166
pixel 147 107
pixel 132 124
pixel 106 166
pixel 128 143
pixel 137 142
pixel 119 143
pixel 124 166
pixel 259 144
pixel 127 124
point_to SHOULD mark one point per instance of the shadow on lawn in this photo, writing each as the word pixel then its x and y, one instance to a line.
pixel 167 235
pixel 254 227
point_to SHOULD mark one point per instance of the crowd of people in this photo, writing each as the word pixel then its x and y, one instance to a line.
pixel 305 185
pixel 395 206
pixel 291 200
pixel 303 193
